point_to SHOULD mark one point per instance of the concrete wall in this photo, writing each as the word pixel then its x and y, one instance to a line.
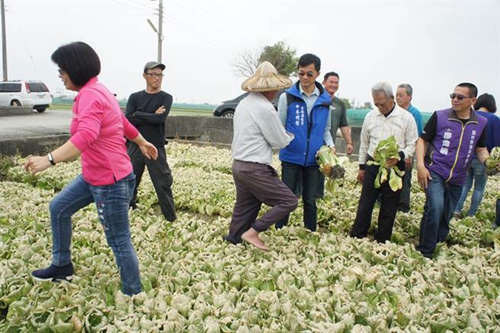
pixel 220 130
pixel 198 130
pixel 38 145
pixel 15 110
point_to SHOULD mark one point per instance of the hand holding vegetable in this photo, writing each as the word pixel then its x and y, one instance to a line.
pixel 492 163
pixel 330 165
pixel 386 155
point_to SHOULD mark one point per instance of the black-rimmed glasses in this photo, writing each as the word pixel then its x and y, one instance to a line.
pixel 155 75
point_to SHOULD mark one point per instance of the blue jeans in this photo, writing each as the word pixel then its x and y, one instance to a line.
pixel 476 174
pixel 112 202
pixel 440 203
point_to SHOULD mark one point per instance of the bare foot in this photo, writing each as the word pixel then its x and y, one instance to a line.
pixel 252 236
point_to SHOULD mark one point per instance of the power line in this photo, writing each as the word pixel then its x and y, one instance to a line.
pixel 195 33
pixel 135 7
pixel 202 18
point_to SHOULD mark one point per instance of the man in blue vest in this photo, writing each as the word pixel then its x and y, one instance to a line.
pixel 444 153
pixel 304 110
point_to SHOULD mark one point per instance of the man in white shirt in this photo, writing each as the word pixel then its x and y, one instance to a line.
pixel 257 129
pixel 379 124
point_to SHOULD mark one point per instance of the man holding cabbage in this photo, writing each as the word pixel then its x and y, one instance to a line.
pixel 388 137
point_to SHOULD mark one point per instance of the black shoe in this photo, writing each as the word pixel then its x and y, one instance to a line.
pixel 54 273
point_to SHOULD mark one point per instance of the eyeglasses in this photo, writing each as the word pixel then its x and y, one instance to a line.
pixel 458 96
pixel 155 75
pixel 309 74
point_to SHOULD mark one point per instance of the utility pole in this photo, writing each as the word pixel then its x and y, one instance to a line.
pixel 158 31
pixel 4 43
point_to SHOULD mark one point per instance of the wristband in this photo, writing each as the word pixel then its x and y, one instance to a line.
pixel 349 143
pixel 51 159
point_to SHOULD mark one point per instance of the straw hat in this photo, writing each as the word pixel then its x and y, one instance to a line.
pixel 266 78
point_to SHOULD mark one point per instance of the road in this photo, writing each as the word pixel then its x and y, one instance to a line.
pixel 50 122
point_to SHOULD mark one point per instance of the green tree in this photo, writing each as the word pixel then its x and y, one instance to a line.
pixel 281 55
pixel 368 105
pixel 347 102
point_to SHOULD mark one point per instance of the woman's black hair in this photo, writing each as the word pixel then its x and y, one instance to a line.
pixel 79 61
pixel 486 101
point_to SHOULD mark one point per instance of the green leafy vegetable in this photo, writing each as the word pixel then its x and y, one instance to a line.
pixel 330 166
pixel 386 150
pixel 493 162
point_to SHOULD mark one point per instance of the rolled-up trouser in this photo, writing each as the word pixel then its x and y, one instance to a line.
pixel 256 184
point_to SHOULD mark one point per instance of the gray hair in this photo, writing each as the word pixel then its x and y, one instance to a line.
pixel 407 87
pixel 384 87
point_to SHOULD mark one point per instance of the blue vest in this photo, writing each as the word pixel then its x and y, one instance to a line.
pixel 308 131
pixel 450 152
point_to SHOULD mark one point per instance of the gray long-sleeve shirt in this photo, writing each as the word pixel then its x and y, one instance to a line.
pixel 257 129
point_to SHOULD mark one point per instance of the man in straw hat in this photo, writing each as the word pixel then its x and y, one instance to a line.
pixel 257 129
pixel 304 109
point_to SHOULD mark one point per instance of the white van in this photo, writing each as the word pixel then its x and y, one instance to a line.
pixel 33 94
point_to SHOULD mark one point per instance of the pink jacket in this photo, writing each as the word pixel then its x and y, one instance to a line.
pixel 97 129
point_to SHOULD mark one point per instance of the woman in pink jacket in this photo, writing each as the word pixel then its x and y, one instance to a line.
pixel 98 131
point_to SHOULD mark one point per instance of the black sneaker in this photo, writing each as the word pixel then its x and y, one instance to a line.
pixel 54 273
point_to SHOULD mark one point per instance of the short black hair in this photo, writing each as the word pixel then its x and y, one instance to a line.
pixel 79 61
pixel 486 101
pixel 472 88
pixel 309 58
pixel 327 75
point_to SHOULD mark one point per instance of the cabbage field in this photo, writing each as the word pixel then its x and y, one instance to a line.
pixel 194 281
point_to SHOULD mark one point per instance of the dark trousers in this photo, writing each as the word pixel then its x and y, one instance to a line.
pixel 160 174
pixel 256 184
pixel 293 176
pixel 404 200
pixel 388 207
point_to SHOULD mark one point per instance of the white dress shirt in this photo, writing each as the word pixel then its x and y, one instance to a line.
pixel 377 127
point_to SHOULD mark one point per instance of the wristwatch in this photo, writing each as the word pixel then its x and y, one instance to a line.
pixel 51 159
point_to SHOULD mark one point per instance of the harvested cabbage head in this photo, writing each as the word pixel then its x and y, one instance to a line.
pixel 387 149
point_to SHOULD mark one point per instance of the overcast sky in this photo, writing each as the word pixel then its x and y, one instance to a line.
pixel 432 45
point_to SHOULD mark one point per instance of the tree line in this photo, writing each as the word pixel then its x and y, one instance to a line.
pixel 284 58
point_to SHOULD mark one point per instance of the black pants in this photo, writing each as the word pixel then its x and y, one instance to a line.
pixel 388 207
pixel 404 200
pixel 293 176
pixel 160 174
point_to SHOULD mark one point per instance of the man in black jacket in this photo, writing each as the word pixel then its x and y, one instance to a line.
pixel 147 110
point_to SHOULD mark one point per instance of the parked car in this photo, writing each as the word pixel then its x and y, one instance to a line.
pixel 226 109
pixel 33 94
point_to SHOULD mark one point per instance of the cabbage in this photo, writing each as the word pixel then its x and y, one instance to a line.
pixel 195 282
pixel 493 162
pixel 385 150
pixel 330 166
